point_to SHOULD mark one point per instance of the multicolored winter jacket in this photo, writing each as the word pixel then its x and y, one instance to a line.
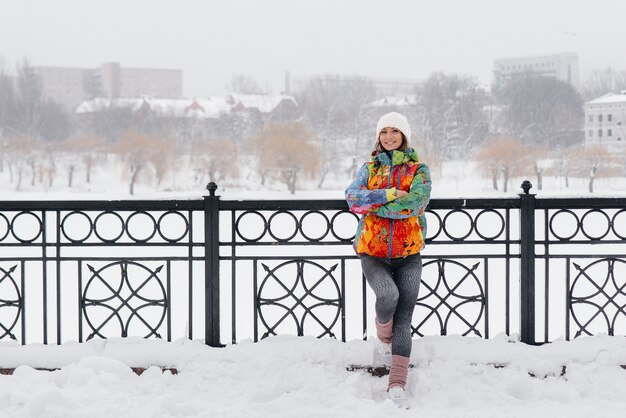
pixel 390 227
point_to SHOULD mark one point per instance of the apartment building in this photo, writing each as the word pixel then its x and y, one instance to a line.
pixel 71 86
pixel 562 66
pixel 65 85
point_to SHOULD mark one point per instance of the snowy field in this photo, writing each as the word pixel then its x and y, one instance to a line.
pixel 453 179
pixel 305 377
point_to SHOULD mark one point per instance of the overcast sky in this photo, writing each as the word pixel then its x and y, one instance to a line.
pixel 212 40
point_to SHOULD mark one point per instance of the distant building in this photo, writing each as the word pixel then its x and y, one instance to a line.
pixel 71 86
pixel 383 86
pixel 563 67
pixel 235 116
pixel 115 81
pixel 66 86
pixel 605 120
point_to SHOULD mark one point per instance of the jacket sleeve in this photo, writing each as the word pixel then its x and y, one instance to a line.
pixel 415 202
pixel 362 200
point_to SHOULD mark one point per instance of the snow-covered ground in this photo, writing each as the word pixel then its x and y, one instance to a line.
pixel 453 179
pixel 289 376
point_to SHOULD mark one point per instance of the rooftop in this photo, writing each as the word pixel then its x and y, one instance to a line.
pixel 610 98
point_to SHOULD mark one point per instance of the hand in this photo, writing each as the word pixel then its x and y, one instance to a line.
pixel 400 194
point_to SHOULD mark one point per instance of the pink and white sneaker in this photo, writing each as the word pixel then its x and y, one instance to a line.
pixel 383 352
pixel 398 395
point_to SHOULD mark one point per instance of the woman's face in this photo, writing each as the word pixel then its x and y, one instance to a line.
pixel 390 138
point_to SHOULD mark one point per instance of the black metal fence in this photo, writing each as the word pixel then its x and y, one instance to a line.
pixel 232 270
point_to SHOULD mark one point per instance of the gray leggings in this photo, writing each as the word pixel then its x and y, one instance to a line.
pixel 396 284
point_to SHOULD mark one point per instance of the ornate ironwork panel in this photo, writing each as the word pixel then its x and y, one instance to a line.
pixel 11 307
pixel 119 257
pixel 580 245
pixel 597 298
pixel 298 296
pixel 449 292
pixel 122 294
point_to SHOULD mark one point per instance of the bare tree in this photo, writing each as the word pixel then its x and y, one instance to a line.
pixel 426 150
pixel 84 148
pixel 285 151
pixel 538 157
pixel 214 159
pixel 93 150
pixel 48 164
pixel 592 161
pixel 449 113
pixel 332 105
pixel 24 111
pixel 603 81
pixel 134 149
pixel 244 84
pixel 22 155
pixel 162 155
pixel 502 155
pixel 540 111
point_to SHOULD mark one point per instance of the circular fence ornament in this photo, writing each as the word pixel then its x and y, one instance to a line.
pixel 141 226
pixel 24 229
pixel 489 224
pixel 314 225
pixel 595 224
pixel 109 226
pixel 343 225
pixel 172 226
pixel 297 297
pixel 122 295
pixel 251 226
pixel 564 224
pixel 76 226
pixel 282 226
pixel 458 225
pixel 450 297
pixel 597 296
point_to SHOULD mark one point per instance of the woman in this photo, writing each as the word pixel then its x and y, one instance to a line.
pixel 392 191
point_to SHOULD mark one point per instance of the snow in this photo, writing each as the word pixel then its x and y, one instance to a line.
pixel 395 101
pixel 290 376
pixel 211 107
pixel 610 98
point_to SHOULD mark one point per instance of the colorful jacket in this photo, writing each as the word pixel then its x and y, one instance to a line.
pixel 390 227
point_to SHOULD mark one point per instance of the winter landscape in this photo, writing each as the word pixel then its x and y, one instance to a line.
pixel 278 100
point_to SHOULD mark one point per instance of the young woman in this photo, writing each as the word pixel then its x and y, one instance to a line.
pixel 391 192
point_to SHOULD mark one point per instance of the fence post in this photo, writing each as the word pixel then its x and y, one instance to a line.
pixel 212 267
pixel 527 264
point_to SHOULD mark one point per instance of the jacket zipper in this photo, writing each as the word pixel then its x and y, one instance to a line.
pixel 390 220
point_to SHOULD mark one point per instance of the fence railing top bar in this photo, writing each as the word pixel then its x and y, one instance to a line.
pixel 340 204
pixel 478 203
pixel 302 204
pixel 581 203
pixel 104 205
pixel 283 204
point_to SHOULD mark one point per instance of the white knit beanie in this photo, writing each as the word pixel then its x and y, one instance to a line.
pixel 394 120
